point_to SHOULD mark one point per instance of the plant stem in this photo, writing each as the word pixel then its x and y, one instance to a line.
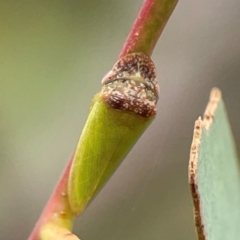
pixel 148 26
pixel 57 218
pixel 57 211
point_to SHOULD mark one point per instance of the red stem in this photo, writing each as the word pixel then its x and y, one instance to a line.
pixel 148 26
pixel 57 204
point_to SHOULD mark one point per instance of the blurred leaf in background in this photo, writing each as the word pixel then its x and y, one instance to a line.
pixel 53 55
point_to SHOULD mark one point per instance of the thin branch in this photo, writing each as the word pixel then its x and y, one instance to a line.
pixel 57 211
pixel 148 26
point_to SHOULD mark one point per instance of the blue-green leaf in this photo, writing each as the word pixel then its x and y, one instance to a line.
pixel 214 175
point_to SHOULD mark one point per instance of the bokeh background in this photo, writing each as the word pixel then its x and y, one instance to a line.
pixel 53 55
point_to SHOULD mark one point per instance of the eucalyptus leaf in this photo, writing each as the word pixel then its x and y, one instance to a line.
pixel 214 175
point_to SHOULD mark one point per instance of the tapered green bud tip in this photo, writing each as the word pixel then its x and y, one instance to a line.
pixel 52 231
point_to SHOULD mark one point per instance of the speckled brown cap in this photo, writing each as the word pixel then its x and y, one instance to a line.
pixel 132 86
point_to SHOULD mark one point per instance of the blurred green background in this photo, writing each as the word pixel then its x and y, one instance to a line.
pixel 53 55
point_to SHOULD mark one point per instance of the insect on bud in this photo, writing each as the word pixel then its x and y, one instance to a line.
pixel 119 115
